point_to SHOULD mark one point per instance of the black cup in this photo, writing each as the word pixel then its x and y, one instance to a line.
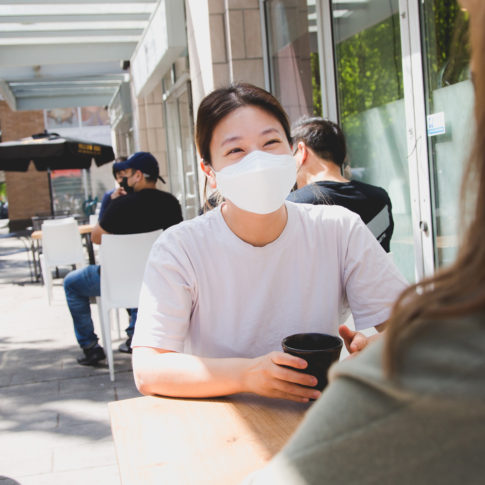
pixel 318 349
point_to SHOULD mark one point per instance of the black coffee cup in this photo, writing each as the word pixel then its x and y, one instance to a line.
pixel 318 349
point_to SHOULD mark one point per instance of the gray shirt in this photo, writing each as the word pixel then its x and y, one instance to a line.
pixel 427 427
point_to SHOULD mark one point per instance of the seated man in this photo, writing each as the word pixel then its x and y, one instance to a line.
pixel 320 155
pixel 146 209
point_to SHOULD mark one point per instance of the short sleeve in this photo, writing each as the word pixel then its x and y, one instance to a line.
pixel 105 203
pixel 113 220
pixel 372 281
pixel 166 298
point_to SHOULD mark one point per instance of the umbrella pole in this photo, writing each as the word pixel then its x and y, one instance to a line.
pixel 50 190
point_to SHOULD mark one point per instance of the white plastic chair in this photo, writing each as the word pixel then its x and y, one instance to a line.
pixel 61 245
pixel 123 259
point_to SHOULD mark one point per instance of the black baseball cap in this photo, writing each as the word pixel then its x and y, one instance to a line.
pixel 143 161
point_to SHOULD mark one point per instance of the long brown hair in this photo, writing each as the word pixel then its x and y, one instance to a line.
pixel 459 289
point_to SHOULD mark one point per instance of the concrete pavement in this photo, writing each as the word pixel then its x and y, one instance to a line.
pixel 54 426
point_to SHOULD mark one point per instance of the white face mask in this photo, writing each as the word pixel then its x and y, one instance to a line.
pixel 259 182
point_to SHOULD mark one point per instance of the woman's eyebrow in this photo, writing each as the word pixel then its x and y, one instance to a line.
pixel 230 139
pixel 270 130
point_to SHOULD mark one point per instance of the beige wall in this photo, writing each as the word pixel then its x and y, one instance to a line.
pixel 224 44
pixel 148 112
pixel 27 192
pixel 224 40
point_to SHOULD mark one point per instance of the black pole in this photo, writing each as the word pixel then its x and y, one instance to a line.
pixel 50 191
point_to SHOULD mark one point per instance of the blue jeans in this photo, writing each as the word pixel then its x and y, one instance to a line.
pixel 79 286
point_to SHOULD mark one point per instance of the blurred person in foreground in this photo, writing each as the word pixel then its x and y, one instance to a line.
pixel 410 409
pixel 320 151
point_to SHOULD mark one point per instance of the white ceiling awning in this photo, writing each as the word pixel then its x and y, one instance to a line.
pixel 66 53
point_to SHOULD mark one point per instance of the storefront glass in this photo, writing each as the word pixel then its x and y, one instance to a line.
pixel 182 158
pixel 449 101
pixel 367 43
pixel 293 51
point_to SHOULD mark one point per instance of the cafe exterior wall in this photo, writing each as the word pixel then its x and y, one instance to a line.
pixel 27 192
pixel 151 130
pixel 224 44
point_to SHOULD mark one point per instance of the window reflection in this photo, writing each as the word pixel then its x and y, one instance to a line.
pixel 367 46
pixel 294 61
pixel 449 98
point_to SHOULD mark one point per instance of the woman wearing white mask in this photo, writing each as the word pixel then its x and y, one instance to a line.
pixel 222 290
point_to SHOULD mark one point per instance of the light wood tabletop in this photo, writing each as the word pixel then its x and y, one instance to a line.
pixel 199 441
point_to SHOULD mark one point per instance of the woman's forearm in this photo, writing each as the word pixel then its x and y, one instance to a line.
pixel 182 375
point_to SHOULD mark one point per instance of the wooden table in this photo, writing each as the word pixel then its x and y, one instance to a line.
pixel 199 441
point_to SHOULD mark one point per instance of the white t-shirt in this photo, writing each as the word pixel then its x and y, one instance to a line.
pixel 208 293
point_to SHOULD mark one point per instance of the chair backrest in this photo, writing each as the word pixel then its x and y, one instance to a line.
pixel 123 259
pixel 39 219
pixel 61 242
pixel 93 219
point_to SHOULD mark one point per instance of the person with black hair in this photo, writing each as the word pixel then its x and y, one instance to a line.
pixel 320 152
pixel 112 194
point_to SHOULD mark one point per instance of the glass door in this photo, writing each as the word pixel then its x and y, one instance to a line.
pixel 449 104
pixel 370 87
pixel 181 150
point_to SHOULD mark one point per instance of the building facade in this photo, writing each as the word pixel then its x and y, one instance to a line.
pixel 393 73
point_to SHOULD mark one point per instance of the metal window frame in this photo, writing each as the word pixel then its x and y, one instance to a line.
pixel 327 59
pixel 418 162
pixel 265 45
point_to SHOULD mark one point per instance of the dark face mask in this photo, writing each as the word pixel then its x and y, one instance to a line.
pixel 124 184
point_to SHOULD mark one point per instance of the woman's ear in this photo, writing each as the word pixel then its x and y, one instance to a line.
pixel 209 173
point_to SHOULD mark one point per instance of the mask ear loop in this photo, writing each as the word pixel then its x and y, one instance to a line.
pixel 215 198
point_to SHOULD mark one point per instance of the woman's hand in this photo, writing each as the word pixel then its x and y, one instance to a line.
pixel 266 376
pixel 354 341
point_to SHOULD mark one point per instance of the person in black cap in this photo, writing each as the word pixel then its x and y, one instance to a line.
pixel 143 209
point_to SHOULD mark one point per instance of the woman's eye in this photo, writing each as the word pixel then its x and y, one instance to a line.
pixel 233 150
pixel 272 141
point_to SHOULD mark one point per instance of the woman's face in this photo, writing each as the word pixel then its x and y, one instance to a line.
pixel 244 130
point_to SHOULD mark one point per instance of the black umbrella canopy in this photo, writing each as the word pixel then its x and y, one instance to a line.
pixel 50 151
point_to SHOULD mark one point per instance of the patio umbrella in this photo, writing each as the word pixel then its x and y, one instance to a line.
pixel 50 151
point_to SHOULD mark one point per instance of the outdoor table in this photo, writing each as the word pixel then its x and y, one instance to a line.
pixel 199 441
pixel 84 229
